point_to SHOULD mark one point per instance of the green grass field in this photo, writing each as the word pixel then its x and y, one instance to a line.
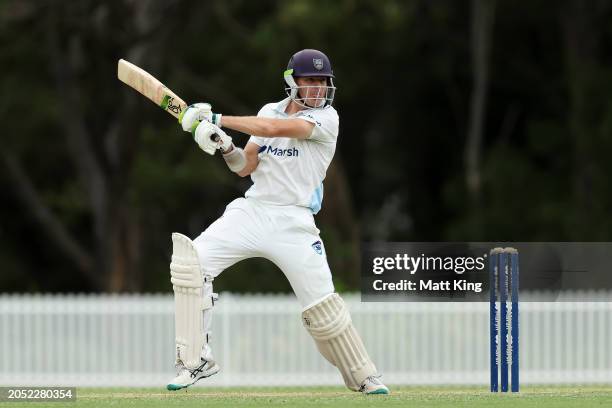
pixel 544 397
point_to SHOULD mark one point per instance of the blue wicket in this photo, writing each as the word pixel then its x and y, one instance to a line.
pixel 493 327
pixel 504 326
pixel 514 279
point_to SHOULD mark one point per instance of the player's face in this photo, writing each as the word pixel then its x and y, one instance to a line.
pixel 312 90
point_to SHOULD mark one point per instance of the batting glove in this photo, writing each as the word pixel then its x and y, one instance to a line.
pixel 210 138
pixel 191 117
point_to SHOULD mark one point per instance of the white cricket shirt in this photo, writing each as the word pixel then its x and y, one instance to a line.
pixel 291 171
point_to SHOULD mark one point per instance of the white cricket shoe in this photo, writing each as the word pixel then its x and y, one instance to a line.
pixel 185 377
pixel 373 385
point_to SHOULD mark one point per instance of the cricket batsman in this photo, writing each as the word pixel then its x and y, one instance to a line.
pixel 291 145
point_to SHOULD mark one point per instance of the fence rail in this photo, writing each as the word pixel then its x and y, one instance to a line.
pixel 110 340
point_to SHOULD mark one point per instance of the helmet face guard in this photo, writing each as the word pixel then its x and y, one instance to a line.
pixel 310 63
pixel 321 95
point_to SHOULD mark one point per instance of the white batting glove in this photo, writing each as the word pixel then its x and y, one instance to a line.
pixel 191 117
pixel 210 138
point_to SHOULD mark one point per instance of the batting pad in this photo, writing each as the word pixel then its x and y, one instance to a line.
pixel 190 301
pixel 331 327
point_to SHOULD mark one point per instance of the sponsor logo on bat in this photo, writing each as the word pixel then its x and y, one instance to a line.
pixel 168 104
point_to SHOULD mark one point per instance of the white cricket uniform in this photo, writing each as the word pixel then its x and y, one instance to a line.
pixel 275 219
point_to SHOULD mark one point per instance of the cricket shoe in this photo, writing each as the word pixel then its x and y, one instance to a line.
pixel 186 377
pixel 373 385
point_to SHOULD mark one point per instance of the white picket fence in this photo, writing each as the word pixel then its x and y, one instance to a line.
pixel 108 340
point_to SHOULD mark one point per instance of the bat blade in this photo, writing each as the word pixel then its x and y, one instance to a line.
pixel 145 83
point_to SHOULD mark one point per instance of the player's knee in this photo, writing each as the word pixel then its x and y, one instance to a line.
pixel 327 318
pixel 185 266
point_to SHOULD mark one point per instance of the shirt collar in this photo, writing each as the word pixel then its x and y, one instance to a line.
pixel 282 105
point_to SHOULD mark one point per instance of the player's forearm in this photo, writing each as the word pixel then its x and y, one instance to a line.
pixel 268 127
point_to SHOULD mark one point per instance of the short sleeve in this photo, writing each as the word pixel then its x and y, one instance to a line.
pixel 259 141
pixel 326 124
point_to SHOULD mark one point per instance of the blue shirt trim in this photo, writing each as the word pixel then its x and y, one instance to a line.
pixel 316 199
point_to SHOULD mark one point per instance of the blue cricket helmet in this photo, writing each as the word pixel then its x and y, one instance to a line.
pixel 309 63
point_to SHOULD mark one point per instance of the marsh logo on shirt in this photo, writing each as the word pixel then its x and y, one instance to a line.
pixel 277 151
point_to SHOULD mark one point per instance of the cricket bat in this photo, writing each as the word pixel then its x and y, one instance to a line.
pixel 149 86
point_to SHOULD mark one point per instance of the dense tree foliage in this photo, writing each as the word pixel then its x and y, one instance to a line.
pixel 488 120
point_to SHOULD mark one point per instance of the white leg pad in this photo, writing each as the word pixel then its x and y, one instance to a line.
pixel 193 299
pixel 330 325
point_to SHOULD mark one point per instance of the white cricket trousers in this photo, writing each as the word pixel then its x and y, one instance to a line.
pixel 285 235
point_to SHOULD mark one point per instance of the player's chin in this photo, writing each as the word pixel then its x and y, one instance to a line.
pixel 314 103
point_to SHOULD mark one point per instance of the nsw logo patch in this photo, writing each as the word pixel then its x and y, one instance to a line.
pixel 317 247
